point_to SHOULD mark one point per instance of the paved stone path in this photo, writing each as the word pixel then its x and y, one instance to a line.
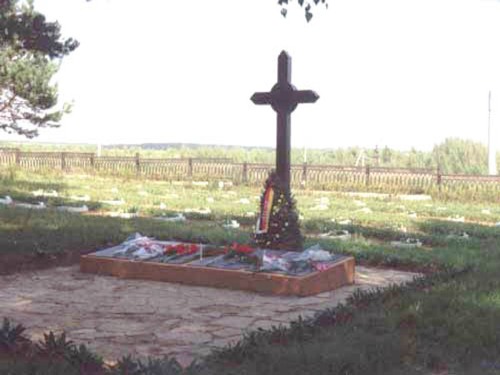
pixel 116 317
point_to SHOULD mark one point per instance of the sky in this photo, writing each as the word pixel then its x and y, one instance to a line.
pixel 397 73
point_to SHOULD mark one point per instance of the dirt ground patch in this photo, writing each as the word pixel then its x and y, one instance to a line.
pixel 11 263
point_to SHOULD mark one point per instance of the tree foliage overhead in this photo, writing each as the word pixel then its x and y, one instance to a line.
pixel 306 5
pixel 28 47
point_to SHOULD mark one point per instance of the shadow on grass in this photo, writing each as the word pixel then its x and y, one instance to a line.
pixel 17 187
pixel 448 320
pixel 32 238
pixel 444 244
pixel 23 192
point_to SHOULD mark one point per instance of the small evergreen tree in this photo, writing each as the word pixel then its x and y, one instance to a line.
pixel 283 230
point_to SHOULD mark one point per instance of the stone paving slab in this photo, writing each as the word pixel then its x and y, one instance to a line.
pixel 116 317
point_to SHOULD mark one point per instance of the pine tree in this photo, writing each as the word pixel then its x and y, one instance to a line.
pixel 283 232
pixel 28 46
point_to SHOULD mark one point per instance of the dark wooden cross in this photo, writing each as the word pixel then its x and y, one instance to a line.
pixel 284 98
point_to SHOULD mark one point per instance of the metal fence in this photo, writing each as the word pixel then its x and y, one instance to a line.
pixel 247 173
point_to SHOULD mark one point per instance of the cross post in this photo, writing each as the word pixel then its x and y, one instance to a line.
pixel 284 98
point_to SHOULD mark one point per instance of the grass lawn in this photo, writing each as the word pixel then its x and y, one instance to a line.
pixel 448 322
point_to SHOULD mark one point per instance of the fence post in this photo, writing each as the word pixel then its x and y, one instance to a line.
pixel 18 157
pixel 190 167
pixel 304 174
pixel 245 173
pixel 439 177
pixel 367 175
pixel 92 161
pixel 137 163
pixel 63 161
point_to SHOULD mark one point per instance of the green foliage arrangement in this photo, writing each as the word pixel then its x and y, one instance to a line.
pixel 283 231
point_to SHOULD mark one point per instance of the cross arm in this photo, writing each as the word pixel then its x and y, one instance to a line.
pixel 305 96
pixel 261 98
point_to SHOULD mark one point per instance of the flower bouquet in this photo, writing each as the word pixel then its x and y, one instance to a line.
pixel 186 252
pixel 242 254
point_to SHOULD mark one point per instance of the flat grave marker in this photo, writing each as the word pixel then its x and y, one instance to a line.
pixel 222 269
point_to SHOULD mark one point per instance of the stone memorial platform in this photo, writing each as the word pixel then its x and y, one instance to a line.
pixel 216 271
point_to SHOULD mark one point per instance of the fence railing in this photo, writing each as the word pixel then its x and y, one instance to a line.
pixel 248 173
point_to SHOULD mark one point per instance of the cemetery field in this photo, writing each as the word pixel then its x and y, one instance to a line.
pixel 449 320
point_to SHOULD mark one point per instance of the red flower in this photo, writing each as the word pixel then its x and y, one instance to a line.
pixel 240 249
pixel 181 249
pixel 169 249
pixel 193 248
pixel 321 266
